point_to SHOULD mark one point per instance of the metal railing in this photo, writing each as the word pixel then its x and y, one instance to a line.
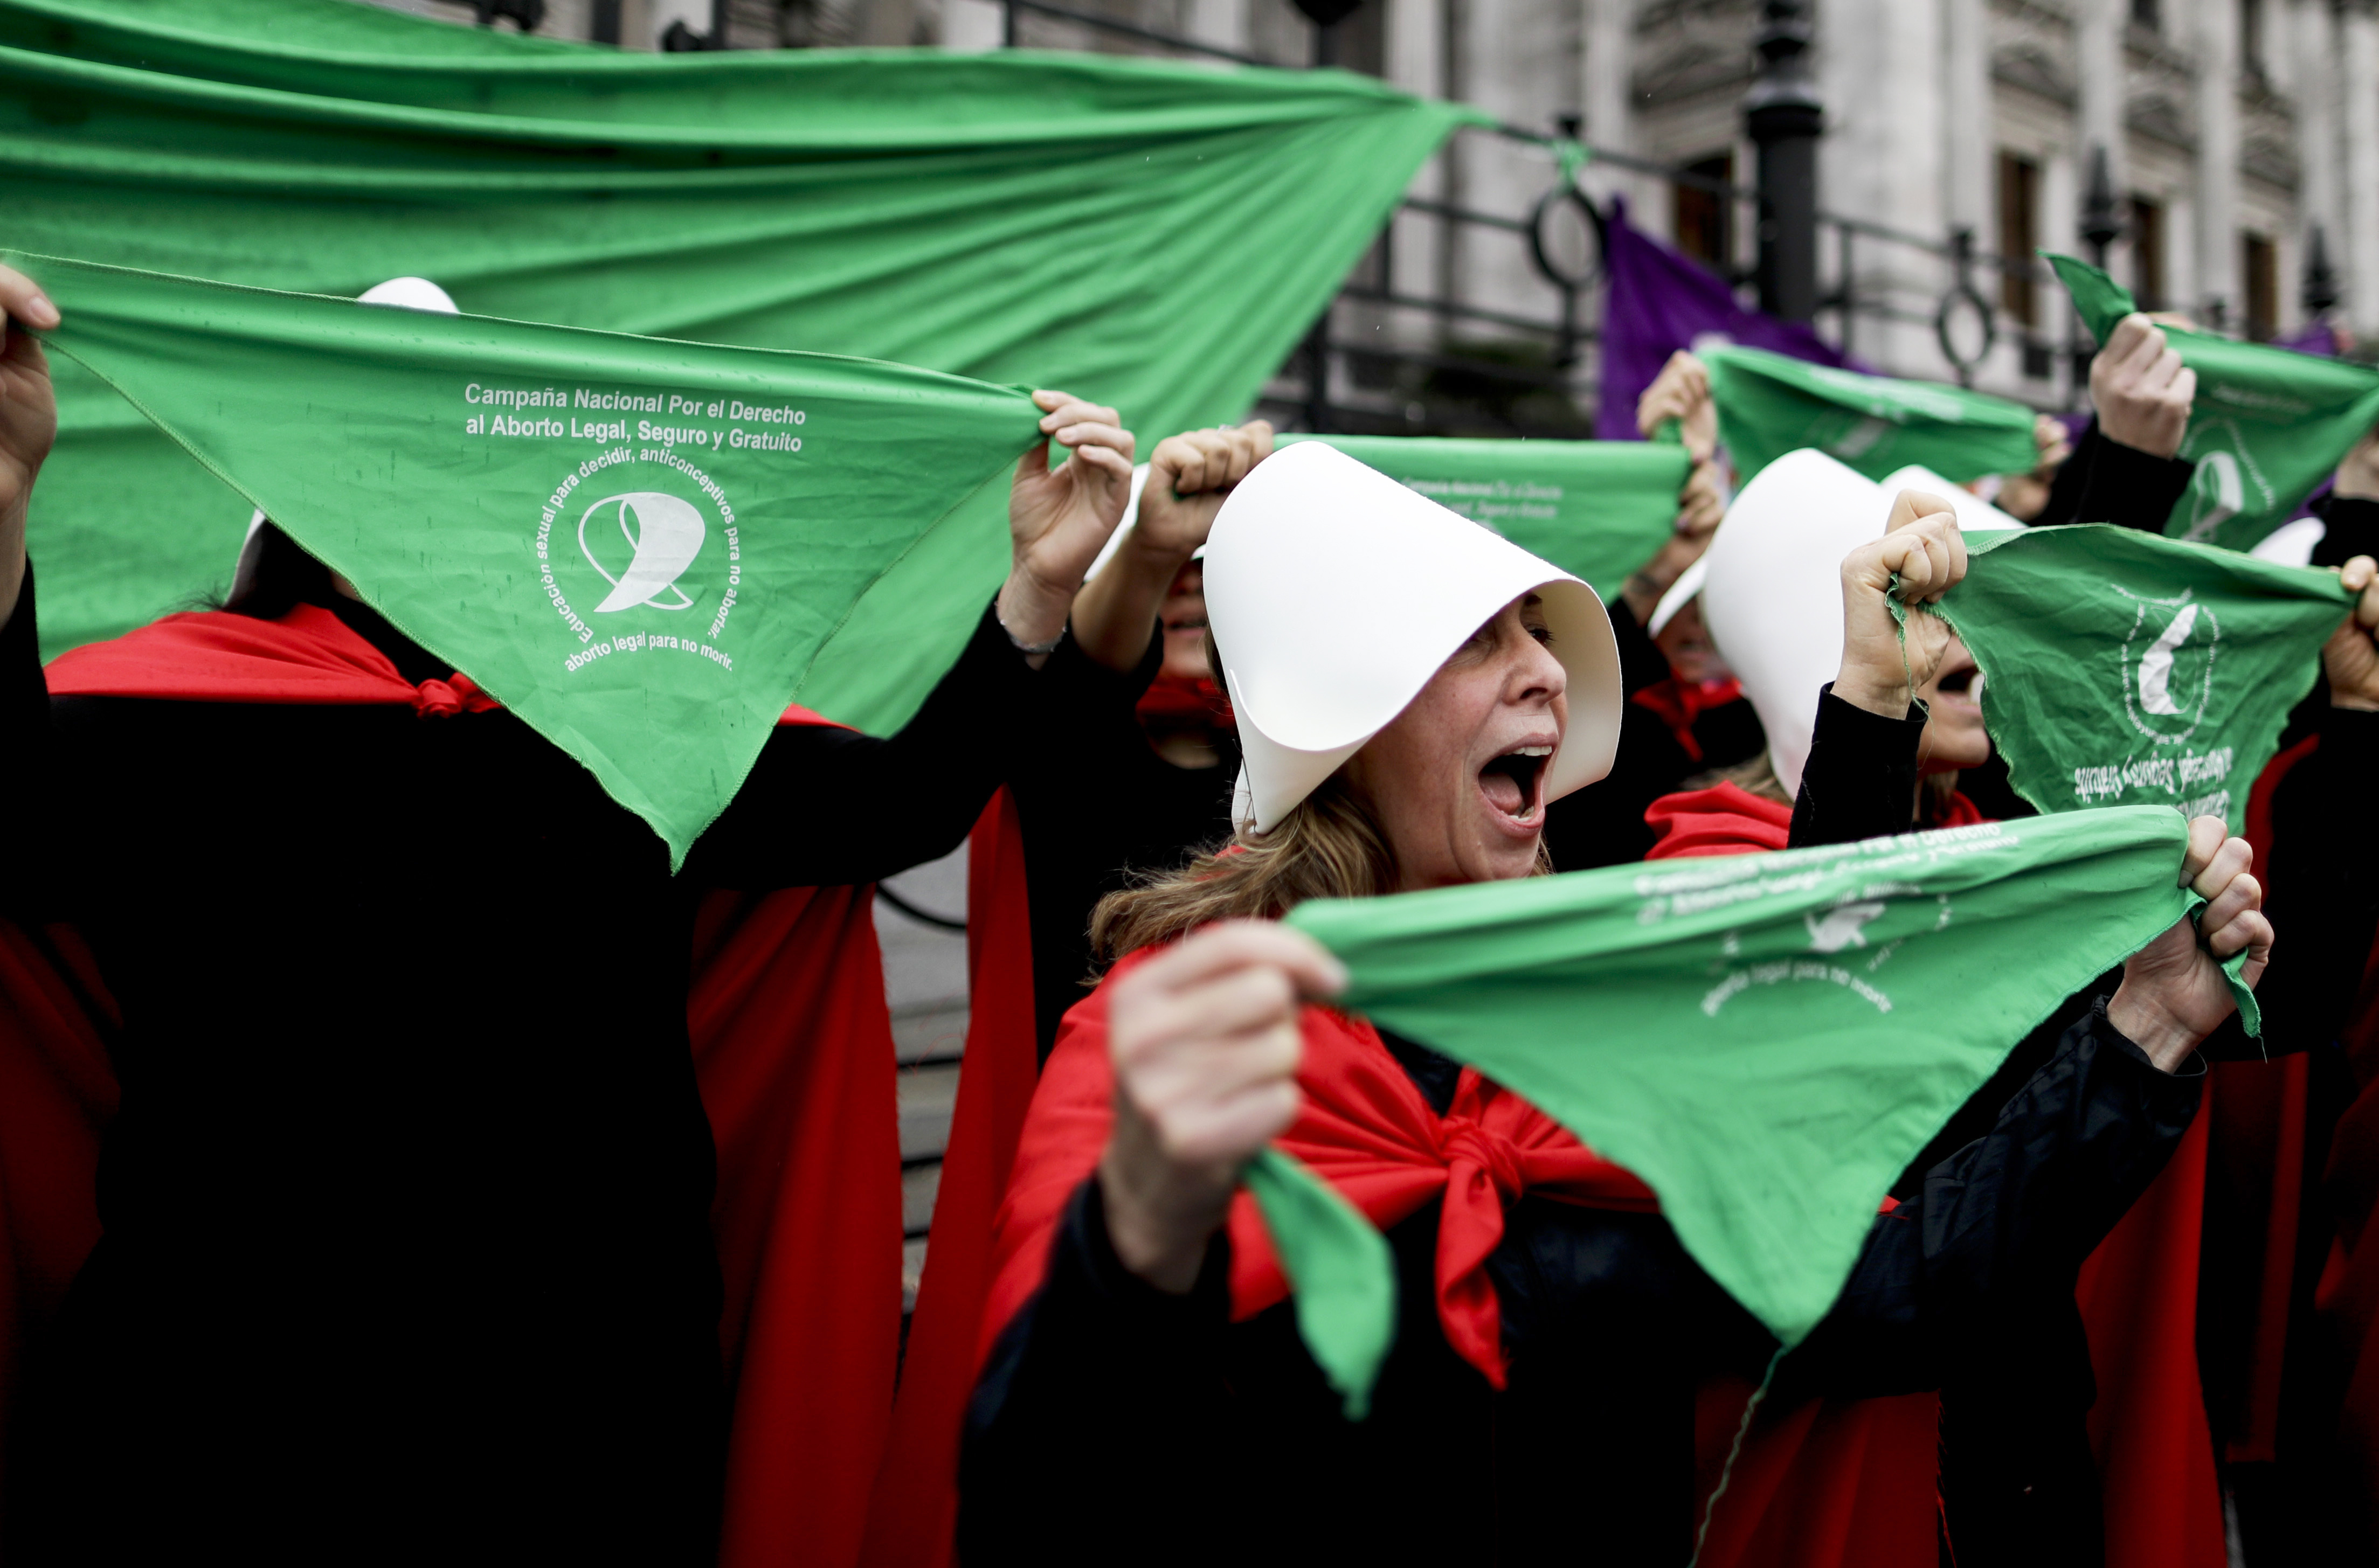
pixel 1537 376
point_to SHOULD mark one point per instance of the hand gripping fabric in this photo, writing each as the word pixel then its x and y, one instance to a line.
pixel 1767 1039
pixel 637 546
pixel 2121 669
pixel 2267 425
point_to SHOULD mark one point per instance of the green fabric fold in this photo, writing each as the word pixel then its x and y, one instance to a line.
pixel 1152 235
pixel 1767 1039
pixel 1341 1274
pixel 2122 669
pixel 638 546
pixel 1771 403
pixel 2268 425
pixel 1596 509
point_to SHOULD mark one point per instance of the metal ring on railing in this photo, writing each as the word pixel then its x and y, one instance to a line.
pixel 1962 251
pixel 1540 252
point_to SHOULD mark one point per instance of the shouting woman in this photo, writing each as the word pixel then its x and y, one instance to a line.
pixel 1411 693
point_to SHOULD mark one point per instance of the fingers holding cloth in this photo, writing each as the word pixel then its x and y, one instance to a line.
pixel 1891 643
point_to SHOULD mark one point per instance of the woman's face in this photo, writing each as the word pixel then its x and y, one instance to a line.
pixel 1954 738
pixel 1458 781
pixel 1183 615
pixel 1693 658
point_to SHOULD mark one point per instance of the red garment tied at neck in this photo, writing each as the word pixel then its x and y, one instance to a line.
pixel 1679 702
pixel 1365 1128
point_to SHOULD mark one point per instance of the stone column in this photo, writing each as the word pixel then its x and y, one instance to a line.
pixel 2098 72
pixel 2359 78
pixel 2218 163
pixel 1223 23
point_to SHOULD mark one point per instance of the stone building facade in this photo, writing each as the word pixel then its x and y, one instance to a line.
pixel 2233 131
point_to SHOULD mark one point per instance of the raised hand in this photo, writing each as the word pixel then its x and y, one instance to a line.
pixel 1058 518
pixel 2173 992
pixel 29 420
pixel 1188 475
pixel 2350 658
pixel 1922 549
pixel 1700 511
pixel 1205 1044
pixel 1681 391
pixel 2141 390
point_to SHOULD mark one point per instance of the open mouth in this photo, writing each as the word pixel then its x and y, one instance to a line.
pixel 1185 623
pixel 1513 783
pixel 1960 684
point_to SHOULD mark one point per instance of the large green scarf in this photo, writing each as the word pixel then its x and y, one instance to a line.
pixel 638 546
pixel 1596 509
pixel 1153 234
pixel 2267 425
pixel 2124 669
pixel 1769 404
pixel 1766 1040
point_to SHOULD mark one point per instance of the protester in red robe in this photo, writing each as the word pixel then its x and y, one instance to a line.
pixel 405 1210
pixel 2088 1424
pixel 1144 1395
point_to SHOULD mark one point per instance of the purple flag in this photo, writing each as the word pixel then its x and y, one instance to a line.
pixel 1659 302
pixel 2315 337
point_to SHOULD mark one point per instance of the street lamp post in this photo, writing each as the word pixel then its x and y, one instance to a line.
pixel 1783 116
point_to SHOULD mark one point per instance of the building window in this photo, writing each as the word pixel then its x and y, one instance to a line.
pixel 2147 13
pixel 2251 35
pixel 2147 253
pixel 2259 268
pixel 2018 234
pixel 1705 226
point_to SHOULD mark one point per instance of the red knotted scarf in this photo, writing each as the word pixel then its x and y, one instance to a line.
pixel 1680 702
pixel 1365 1128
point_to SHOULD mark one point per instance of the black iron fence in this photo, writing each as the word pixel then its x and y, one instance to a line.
pixel 1418 355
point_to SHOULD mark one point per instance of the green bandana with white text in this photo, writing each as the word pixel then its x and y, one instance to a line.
pixel 1771 403
pixel 1598 510
pixel 638 546
pixel 2268 425
pixel 1765 1039
pixel 2122 669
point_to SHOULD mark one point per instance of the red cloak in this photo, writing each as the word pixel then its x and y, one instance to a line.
pixel 792 1052
pixel 1817 1487
pixel 2138 1294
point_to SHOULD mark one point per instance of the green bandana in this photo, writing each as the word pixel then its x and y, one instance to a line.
pixel 637 546
pixel 1766 1040
pixel 2124 669
pixel 1020 216
pixel 2267 426
pixel 1769 404
pixel 1598 510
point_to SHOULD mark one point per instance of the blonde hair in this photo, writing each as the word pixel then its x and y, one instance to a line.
pixel 1329 846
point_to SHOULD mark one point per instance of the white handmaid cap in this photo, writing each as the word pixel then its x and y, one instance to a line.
pixel 405 294
pixel 1771 589
pixel 1335 593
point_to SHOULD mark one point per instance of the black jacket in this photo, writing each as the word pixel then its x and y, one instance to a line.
pixel 406 1246
pixel 1115 1423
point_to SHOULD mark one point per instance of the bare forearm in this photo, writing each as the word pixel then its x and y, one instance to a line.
pixel 1114 614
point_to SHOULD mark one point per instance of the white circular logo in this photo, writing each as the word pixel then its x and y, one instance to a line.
pixel 2168 665
pixel 662 536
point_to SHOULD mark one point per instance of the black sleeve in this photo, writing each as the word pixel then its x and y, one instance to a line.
pixel 2131 489
pixel 826 806
pixel 1641 662
pixel 2324 901
pixel 2352 528
pixel 2003 1224
pixel 1860 781
pixel 2072 474
pixel 1102 1401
